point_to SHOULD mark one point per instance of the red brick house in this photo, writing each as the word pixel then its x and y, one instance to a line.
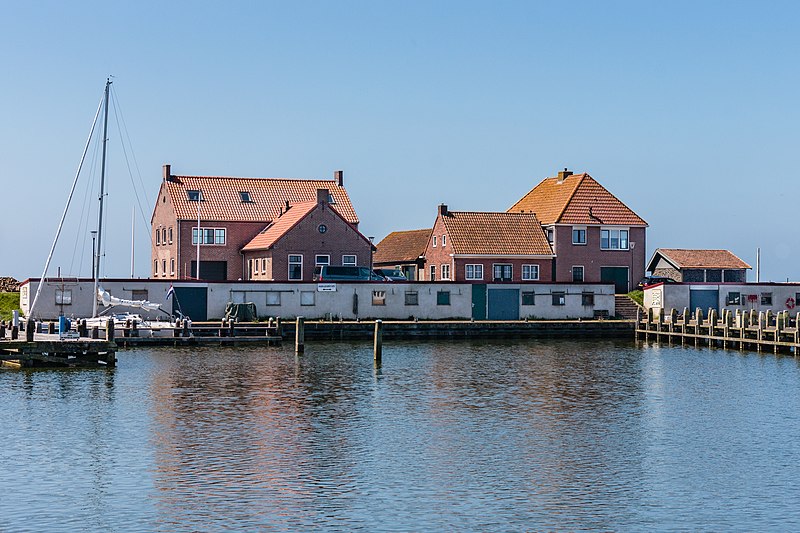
pixel 232 211
pixel 595 237
pixel 487 247
pixel 404 250
pixel 305 235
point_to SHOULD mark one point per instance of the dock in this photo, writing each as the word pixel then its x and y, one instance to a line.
pixel 743 330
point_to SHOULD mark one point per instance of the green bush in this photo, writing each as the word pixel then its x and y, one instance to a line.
pixel 8 302
pixel 637 296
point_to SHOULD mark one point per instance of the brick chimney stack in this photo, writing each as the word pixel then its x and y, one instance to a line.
pixel 323 196
pixel 443 210
pixel 338 176
pixel 562 175
pixel 166 172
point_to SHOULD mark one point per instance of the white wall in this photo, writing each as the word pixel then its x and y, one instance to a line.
pixel 676 295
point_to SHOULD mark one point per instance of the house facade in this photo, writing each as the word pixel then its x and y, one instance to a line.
pixel 231 212
pixel 594 236
pixel 404 250
pixel 477 247
pixel 306 235
pixel 709 266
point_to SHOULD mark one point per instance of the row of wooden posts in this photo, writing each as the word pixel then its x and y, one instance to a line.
pixel 300 335
pixel 739 328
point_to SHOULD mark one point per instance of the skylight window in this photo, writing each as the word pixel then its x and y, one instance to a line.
pixel 245 197
pixel 194 196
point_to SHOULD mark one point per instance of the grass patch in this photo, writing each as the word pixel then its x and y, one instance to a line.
pixel 8 302
pixel 637 296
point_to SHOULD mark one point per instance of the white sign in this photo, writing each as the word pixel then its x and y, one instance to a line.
pixel 656 298
pixel 326 287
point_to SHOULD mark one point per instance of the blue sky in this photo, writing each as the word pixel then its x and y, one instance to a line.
pixel 687 111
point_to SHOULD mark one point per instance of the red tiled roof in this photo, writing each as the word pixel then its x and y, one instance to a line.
pixel 722 259
pixel 402 246
pixel 266 238
pixel 475 233
pixel 221 200
pixel 577 199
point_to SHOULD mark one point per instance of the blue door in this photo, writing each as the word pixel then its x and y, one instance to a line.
pixel 704 299
pixel 503 304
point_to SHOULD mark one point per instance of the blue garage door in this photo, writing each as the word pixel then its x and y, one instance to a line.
pixel 704 299
pixel 503 304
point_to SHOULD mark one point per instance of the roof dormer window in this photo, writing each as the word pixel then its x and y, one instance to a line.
pixel 331 199
pixel 194 195
pixel 245 197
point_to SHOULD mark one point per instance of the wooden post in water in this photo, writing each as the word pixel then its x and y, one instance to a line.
pixel 110 330
pixel 3 329
pixel 14 333
pixel 278 327
pixel 231 328
pixel 30 329
pixel 300 335
pixel 378 345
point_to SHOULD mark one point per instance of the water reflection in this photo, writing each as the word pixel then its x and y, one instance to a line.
pixel 544 435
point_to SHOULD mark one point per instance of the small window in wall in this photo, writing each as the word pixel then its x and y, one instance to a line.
pixel 550 236
pixel 244 196
pixel 139 294
pixel 442 297
pixel 577 274
pixel 322 260
pixel 433 273
pixel 578 235
pixel 613 239
pixel 158 237
pixel 473 272
pixel 444 241
pixel 63 296
pixel 587 299
pixel 306 297
pixel 170 234
pixel 163 267
pixel 412 298
pixel 528 298
pixel 530 272
pixel 378 297
pixel 171 267
pixel 766 298
pixel 434 241
pixel 559 298
pixel 164 235
pixel 502 273
pixel 263 265
pixel 733 298
pixel 348 260
pixel 155 267
pixel 273 298
pixel 295 267
pixel 445 268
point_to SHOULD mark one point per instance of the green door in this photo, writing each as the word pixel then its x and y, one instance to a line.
pixel 191 302
pixel 479 302
pixel 616 275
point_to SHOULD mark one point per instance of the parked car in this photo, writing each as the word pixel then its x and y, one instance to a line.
pixel 391 274
pixel 652 280
pixel 345 273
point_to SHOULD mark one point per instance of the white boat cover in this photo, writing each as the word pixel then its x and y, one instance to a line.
pixel 107 300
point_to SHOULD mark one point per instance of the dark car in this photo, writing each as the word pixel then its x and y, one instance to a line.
pixel 653 280
pixel 345 273
pixel 391 274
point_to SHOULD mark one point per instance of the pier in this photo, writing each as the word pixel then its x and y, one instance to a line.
pixel 742 330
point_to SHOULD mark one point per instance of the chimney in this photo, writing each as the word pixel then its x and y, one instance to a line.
pixel 323 195
pixel 443 210
pixel 563 175
pixel 287 206
pixel 338 176
pixel 166 172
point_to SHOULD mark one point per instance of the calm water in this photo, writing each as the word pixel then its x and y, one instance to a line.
pixel 486 436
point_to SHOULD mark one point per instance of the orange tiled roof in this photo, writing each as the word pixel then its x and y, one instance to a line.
pixel 221 201
pixel 266 238
pixel 577 199
pixel 495 234
pixel 402 246
pixel 722 259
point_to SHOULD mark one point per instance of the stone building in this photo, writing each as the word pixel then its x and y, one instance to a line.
pixel 705 266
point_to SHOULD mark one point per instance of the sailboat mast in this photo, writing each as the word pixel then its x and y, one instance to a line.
pixel 102 195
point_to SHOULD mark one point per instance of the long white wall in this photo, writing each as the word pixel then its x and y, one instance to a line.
pixel 312 300
pixel 783 296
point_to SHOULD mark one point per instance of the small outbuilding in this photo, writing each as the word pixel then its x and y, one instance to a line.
pixel 704 266
pixel 403 250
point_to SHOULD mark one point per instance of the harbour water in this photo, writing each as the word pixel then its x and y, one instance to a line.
pixel 444 436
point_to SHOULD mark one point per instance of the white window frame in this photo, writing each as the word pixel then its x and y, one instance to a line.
pixel 477 271
pixel 444 241
pixel 291 263
pixel 318 261
pixel 434 241
pixel 610 231
pixel 579 229
pixel 527 276
pixel 345 261
pixel 502 265
pixel 158 237
pixel 63 296
pixel 432 272
pixel 172 266
pixel 218 235
pixel 445 271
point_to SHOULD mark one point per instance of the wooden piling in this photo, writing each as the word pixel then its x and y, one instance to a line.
pixel 300 335
pixel 378 344
pixel 30 329
pixel 110 330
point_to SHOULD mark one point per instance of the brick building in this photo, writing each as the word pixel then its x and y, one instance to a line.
pixel 487 247
pixel 706 266
pixel 404 250
pixel 594 236
pixel 304 236
pixel 231 211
